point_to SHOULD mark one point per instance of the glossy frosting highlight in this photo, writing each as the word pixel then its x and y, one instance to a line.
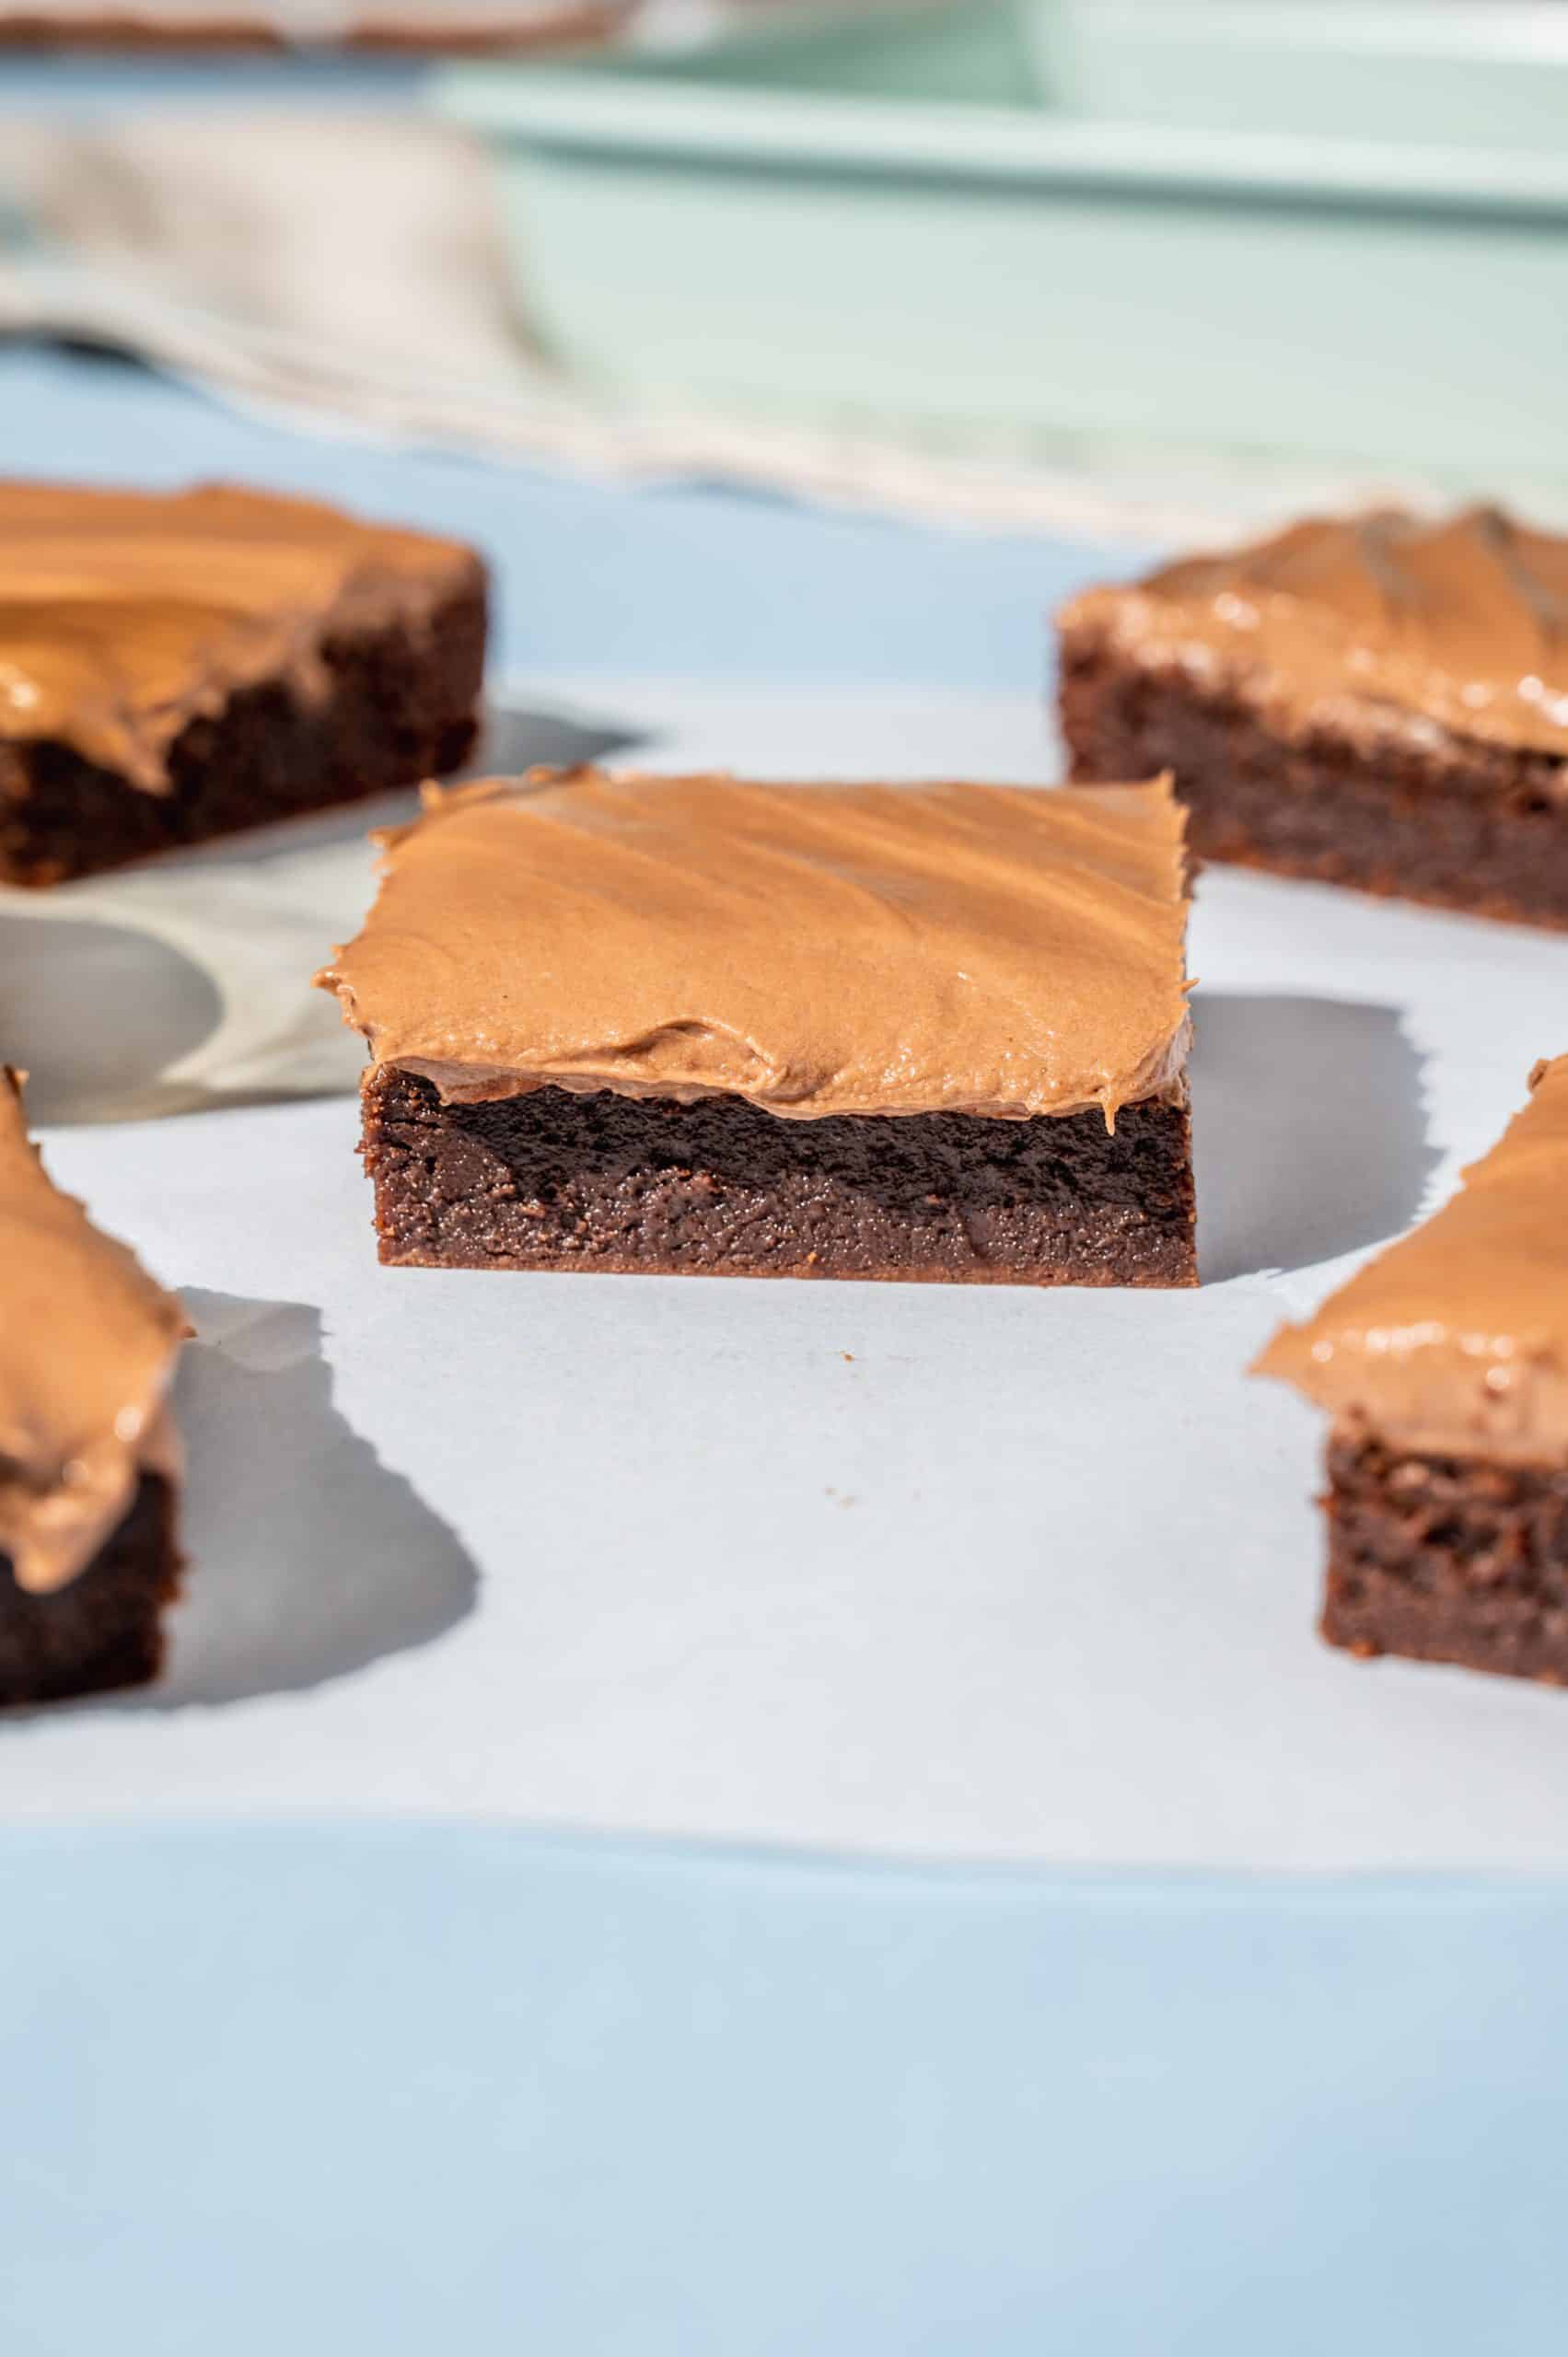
pixel 1368 620
pixel 815 949
pixel 125 614
pixel 88 1347
pixel 1456 1341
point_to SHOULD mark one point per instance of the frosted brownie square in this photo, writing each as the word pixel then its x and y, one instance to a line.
pixel 89 1461
pixel 695 1026
pixel 1444 1364
pixel 175 666
pixel 1376 701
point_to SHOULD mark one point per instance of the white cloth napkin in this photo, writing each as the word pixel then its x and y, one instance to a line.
pixel 353 268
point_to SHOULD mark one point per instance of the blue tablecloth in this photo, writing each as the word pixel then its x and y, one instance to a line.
pixel 364 2087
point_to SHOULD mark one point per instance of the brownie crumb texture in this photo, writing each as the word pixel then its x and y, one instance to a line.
pixel 553 1180
pixel 401 705
pixel 1474 827
pixel 1448 1559
pixel 102 1629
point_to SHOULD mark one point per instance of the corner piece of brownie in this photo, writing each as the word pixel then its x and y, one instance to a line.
pixel 177 666
pixel 1378 701
pixel 1444 1366
pixel 694 1025
pixel 89 1459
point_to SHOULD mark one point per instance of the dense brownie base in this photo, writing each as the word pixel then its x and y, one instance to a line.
pixel 1475 827
pixel 1448 1559
pixel 103 1629
pixel 552 1181
pixel 401 707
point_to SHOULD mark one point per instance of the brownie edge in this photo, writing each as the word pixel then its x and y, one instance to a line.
pixel 553 1180
pixel 104 1629
pixel 1448 1559
pixel 1482 829
pixel 401 704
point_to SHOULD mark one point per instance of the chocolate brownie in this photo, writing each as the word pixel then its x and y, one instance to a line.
pixel 104 1629
pixel 180 666
pixel 1444 1365
pixel 695 1027
pixel 1379 702
pixel 1458 1559
pixel 419 26
pixel 89 1459
pixel 554 1180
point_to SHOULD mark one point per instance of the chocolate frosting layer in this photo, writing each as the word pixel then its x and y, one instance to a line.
pixel 88 1347
pixel 1373 622
pixel 125 614
pixel 1456 1341
pixel 815 949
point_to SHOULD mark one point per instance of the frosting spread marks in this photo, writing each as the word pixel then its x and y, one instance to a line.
pixel 815 949
pixel 1456 1341
pixel 1462 623
pixel 125 614
pixel 88 1347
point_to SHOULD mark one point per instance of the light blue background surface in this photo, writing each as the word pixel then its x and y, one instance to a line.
pixel 697 583
pixel 445 2090
pixel 367 2088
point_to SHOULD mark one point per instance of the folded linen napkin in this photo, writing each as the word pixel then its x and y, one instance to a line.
pixel 353 267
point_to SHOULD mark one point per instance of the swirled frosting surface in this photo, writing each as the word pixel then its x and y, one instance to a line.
pixel 815 949
pixel 124 614
pixel 1461 623
pixel 88 1347
pixel 1455 1339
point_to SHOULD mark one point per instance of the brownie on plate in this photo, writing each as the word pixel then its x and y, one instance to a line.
pixel 701 1027
pixel 1378 701
pixel 1444 1366
pixel 89 1459
pixel 177 666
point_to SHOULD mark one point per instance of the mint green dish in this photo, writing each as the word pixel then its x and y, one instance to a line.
pixel 1467 72
pixel 904 224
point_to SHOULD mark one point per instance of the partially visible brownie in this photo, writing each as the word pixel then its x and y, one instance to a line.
pixel 424 27
pixel 1458 1558
pixel 1377 701
pixel 692 1025
pixel 1444 1366
pixel 181 666
pixel 89 1459
pixel 103 1630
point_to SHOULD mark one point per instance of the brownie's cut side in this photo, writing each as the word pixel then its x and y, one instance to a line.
pixel 551 1180
pixel 707 1024
pixel 1460 825
pixel 102 1629
pixel 401 707
pixel 1448 1559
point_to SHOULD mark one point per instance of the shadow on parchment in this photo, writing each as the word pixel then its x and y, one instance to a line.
pixel 307 1558
pixel 1308 1130
pixel 94 1011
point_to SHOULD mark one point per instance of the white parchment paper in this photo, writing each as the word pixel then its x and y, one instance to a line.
pixel 978 1572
